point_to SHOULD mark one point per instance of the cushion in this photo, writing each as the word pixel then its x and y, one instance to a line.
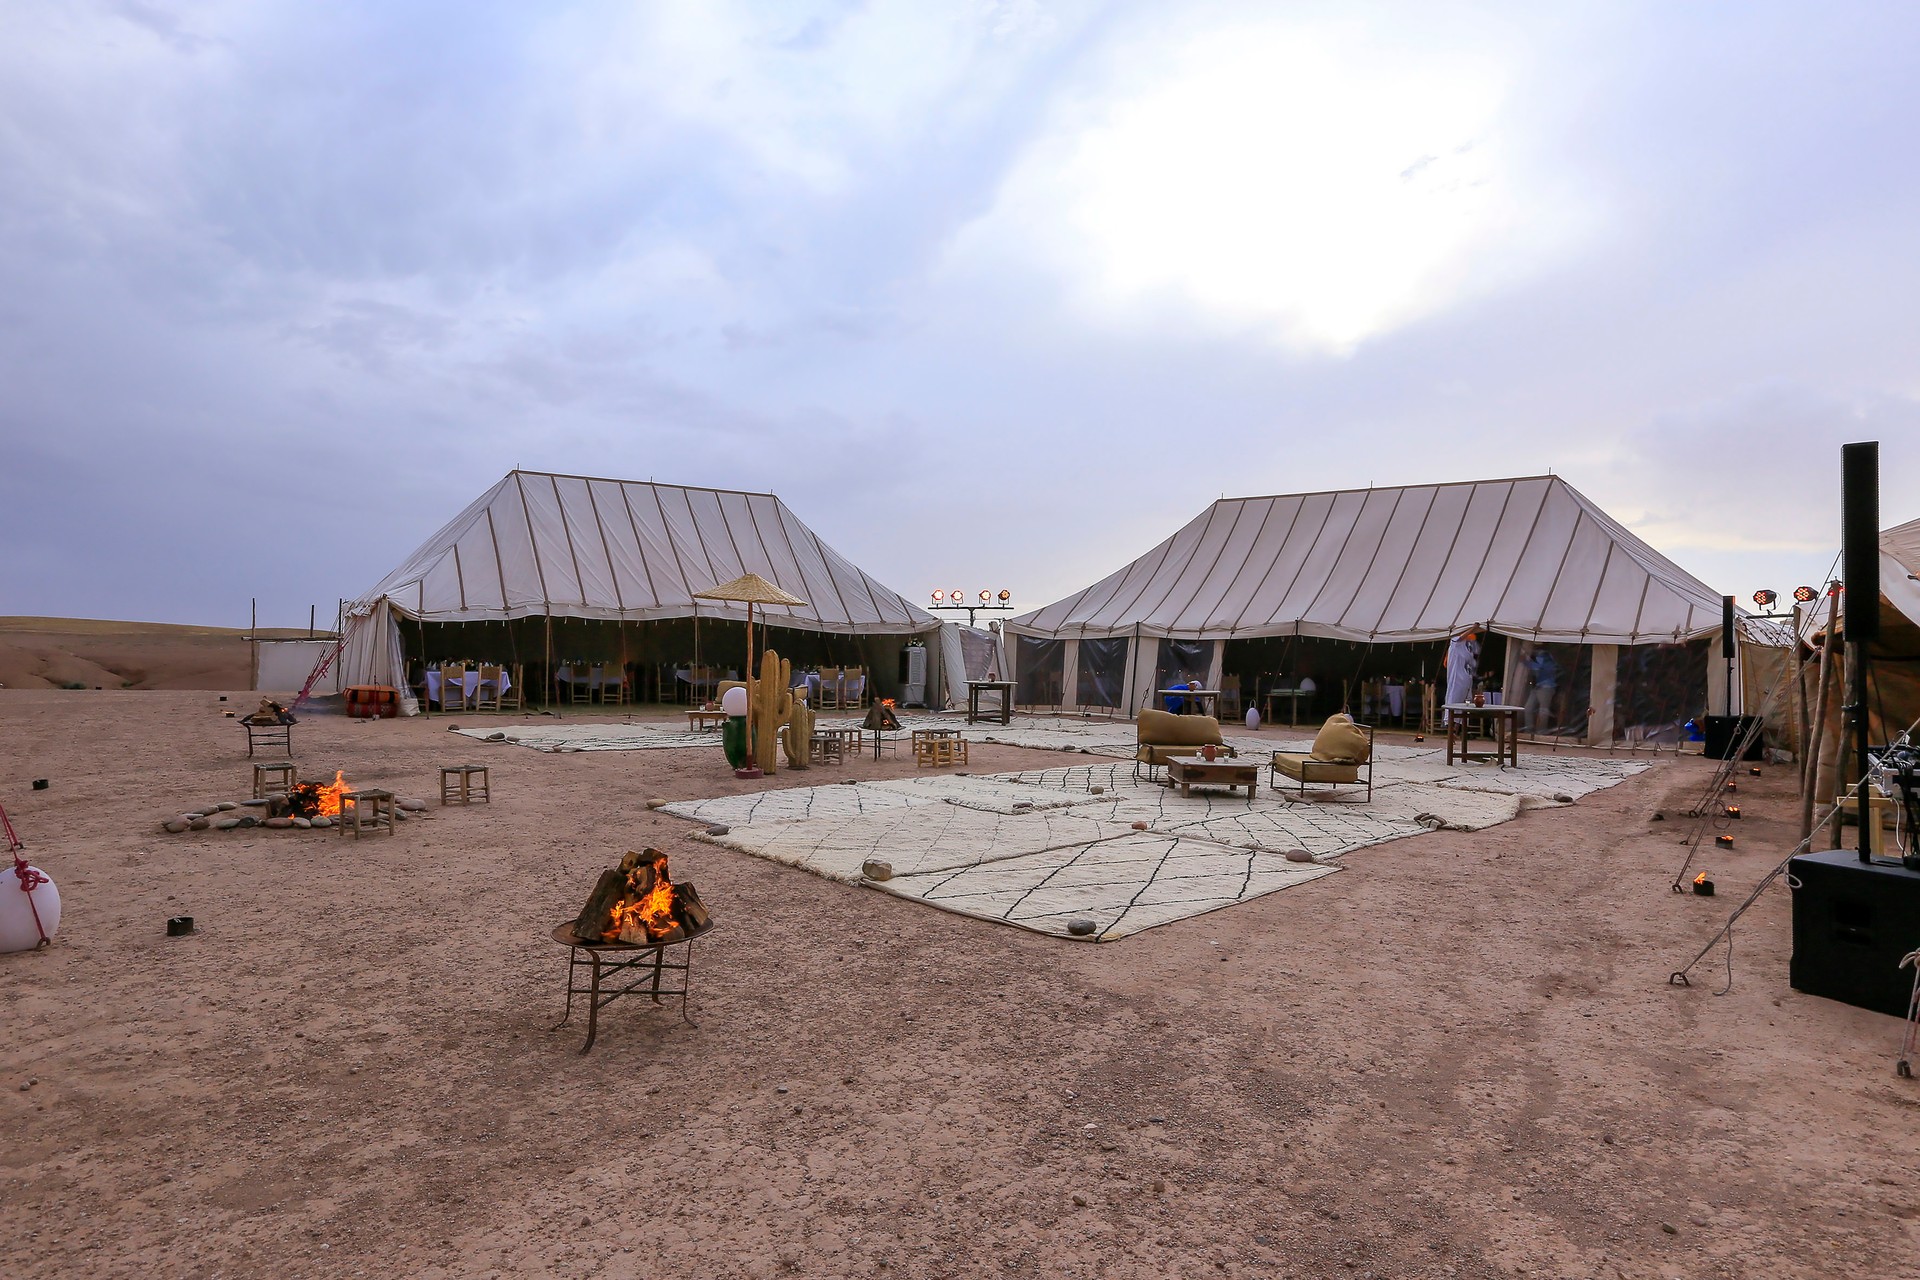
pixel 1342 740
pixel 1164 729
pixel 1307 769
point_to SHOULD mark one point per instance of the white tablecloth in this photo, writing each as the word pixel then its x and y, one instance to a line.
pixel 472 685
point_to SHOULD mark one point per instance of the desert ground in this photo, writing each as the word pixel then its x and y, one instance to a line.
pixel 1461 1057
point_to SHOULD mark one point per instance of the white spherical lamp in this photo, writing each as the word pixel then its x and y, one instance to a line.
pixel 734 701
pixel 18 932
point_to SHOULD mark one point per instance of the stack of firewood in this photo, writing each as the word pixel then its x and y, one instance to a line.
pixel 637 902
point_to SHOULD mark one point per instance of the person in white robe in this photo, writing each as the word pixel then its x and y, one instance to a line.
pixel 1463 663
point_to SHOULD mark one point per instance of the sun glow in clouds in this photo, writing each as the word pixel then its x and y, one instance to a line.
pixel 1298 182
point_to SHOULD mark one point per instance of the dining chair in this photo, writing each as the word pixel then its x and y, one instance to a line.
pixel 611 679
pixel 580 682
pixel 829 689
pixel 453 686
pixel 487 696
pixel 1230 695
pixel 514 696
pixel 853 688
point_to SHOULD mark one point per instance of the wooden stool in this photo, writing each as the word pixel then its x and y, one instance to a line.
pixel 826 747
pixel 463 784
pixel 273 777
pixel 367 810
pixel 938 748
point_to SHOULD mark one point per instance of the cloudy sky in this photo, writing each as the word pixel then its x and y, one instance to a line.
pixel 992 292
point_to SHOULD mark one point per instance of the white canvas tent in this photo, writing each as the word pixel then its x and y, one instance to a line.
pixel 540 545
pixel 1529 558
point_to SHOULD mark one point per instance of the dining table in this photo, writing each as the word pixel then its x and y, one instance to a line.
pixel 471 686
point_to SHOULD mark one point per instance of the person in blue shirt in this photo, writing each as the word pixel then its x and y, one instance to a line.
pixel 1543 674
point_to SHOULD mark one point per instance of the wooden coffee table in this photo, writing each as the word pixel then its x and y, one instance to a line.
pixel 1188 772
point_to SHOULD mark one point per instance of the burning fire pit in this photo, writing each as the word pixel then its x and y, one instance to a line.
pixel 633 917
pixel 880 719
pixel 270 726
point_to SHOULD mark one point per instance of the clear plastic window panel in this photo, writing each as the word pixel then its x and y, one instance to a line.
pixel 1660 689
pixel 1042 667
pixel 1552 685
pixel 1103 672
pixel 1180 662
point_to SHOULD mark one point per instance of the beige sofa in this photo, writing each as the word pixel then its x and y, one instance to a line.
pixel 1342 755
pixel 1163 735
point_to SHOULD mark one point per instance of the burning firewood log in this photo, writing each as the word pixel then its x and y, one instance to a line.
pixel 687 905
pixel 598 913
pixel 637 902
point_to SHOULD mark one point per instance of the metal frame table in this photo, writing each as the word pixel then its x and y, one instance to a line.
pixel 1503 720
pixel 649 958
pixel 269 735
pixel 977 687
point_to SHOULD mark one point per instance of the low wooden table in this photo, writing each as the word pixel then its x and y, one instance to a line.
pixel 701 720
pixel 977 687
pixel 1188 772
pixel 1498 724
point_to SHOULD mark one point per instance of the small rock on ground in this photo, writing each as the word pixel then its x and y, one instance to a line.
pixel 226 824
pixel 279 824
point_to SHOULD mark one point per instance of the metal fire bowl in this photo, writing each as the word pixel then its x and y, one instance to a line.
pixel 564 935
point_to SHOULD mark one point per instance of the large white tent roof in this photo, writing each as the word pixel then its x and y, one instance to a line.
pixel 1527 557
pixel 1899 563
pixel 571 546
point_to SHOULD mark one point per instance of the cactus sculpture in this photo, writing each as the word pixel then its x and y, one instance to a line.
pixel 770 702
pixel 797 736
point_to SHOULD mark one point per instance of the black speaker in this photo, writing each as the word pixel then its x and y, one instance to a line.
pixel 1860 532
pixel 1726 627
pixel 1852 921
pixel 1723 734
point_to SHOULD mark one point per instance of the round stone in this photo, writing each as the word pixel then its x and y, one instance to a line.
pixel 175 825
pixel 1139 826
pixel 496 736
pixel 301 824
pixel 226 806
pixel 323 821
pixel 279 824
pixel 412 806
pixel 718 829
pixel 1299 855
pixel 1080 926
pixel 401 815
pixel 248 820
pixel 200 823
pixel 877 869
pixel 1099 791
pixel 226 824
pixel 656 803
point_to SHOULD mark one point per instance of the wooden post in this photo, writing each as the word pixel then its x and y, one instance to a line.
pixel 553 683
pixel 1810 775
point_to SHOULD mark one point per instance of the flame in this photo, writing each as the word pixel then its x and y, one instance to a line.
pixel 1701 878
pixel 651 911
pixel 330 794
pixel 887 703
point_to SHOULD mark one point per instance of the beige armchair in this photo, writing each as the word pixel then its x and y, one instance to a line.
pixel 1342 755
pixel 1163 735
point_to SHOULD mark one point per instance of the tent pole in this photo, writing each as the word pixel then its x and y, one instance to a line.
pixel 426 704
pixel 552 682
pixel 623 662
pixel 1810 778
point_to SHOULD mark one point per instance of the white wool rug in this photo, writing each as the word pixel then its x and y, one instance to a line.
pixel 1047 849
